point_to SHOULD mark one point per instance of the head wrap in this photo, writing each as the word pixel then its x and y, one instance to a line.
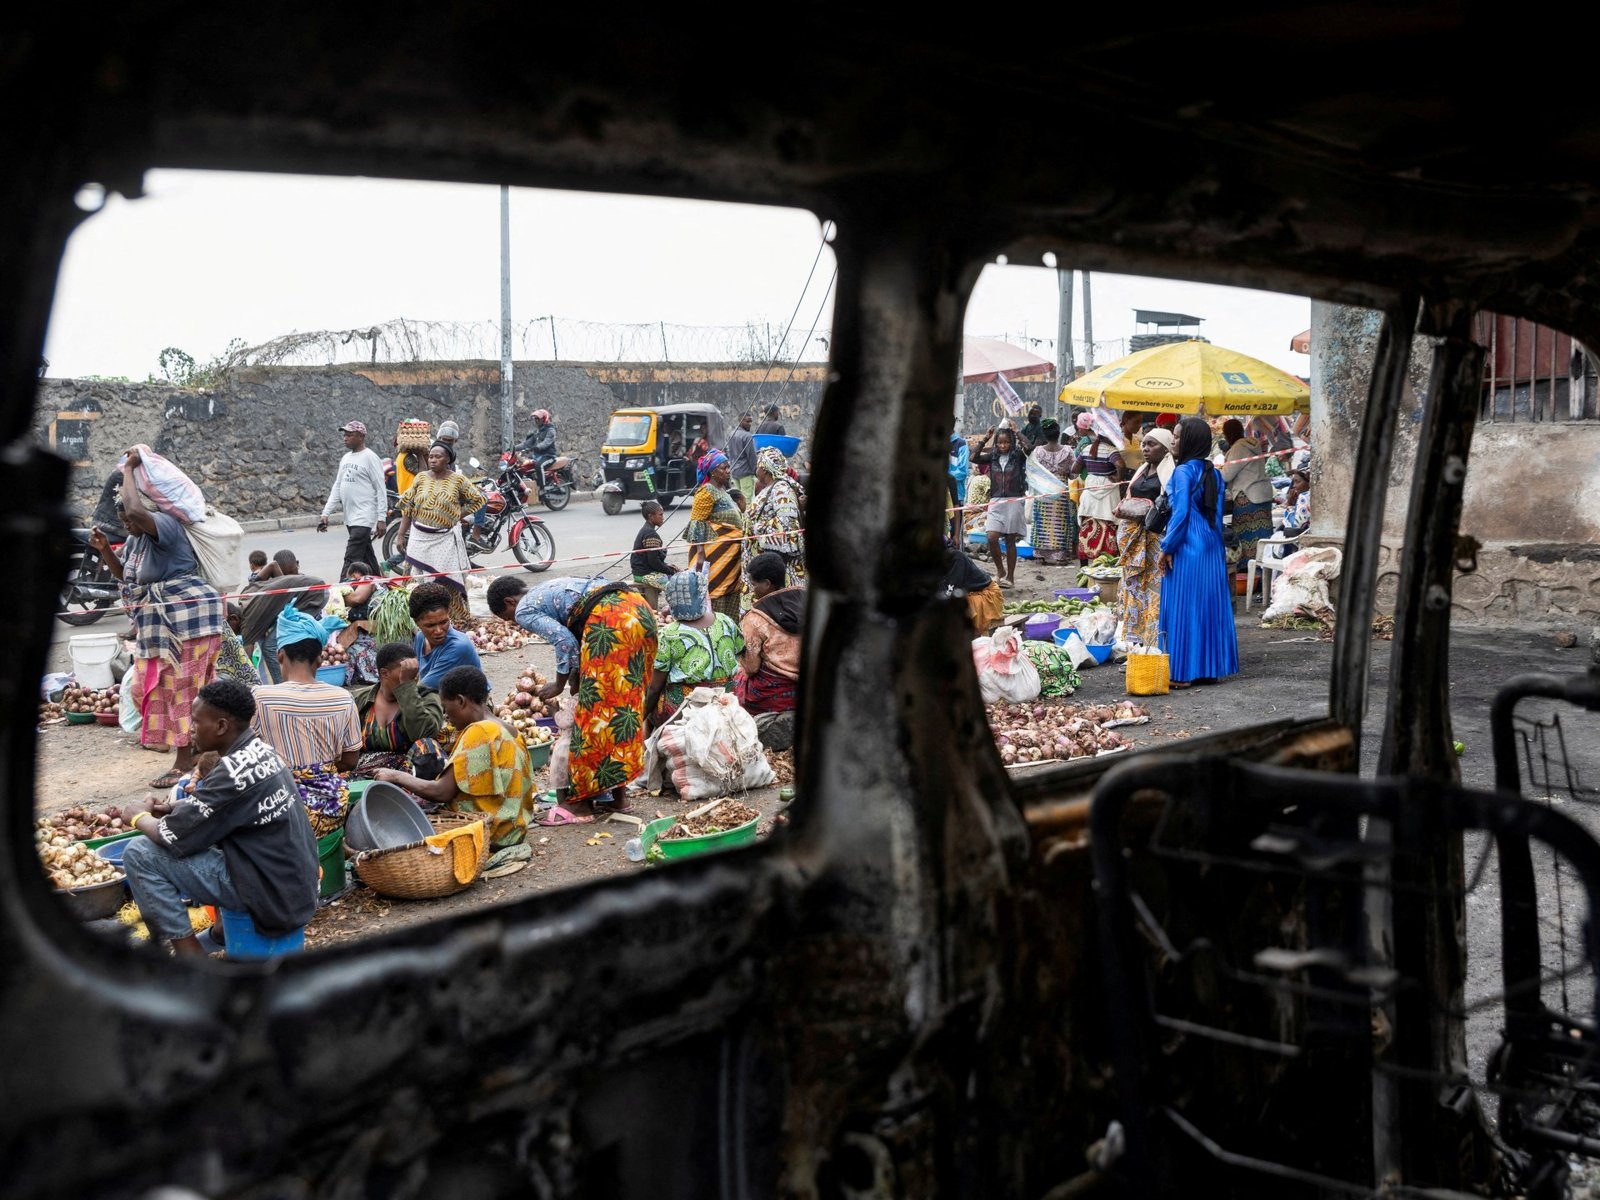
pixel 1085 422
pixel 1166 420
pixel 296 626
pixel 1194 442
pixel 709 463
pixel 1162 436
pixel 449 450
pixel 686 596
pixel 1166 466
pixel 448 429
pixel 771 460
pixel 1050 429
pixel 1301 460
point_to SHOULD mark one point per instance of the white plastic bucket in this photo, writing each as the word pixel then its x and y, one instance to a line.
pixel 91 658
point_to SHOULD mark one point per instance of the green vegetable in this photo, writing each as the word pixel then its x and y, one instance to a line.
pixel 1461 747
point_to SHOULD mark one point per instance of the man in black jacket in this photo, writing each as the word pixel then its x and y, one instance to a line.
pixel 241 841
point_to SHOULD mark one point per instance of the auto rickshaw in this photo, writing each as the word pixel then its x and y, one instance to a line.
pixel 649 452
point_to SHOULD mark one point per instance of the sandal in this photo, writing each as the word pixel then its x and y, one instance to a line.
pixel 1005 583
pixel 561 816
pixel 170 779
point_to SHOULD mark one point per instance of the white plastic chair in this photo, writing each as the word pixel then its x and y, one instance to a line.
pixel 1267 565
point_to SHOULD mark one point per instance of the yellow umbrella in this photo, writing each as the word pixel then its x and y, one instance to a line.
pixel 1191 378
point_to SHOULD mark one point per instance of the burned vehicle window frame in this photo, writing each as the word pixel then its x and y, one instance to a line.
pixel 902 994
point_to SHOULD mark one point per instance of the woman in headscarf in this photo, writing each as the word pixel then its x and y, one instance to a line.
pixel 715 532
pixel 1104 471
pixel 1196 608
pixel 772 522
pixel 432 511
pixel 1055 525
pixel 1139 550
pixel 1244 472
pixel 178 620
pixel 604 636
pixel 699 648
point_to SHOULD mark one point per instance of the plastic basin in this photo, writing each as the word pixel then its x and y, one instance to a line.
pixel 1098 651
pixel 1077 593
pixel 333 675
pixel 384 817
pixel 106 718
pixel 741 835
pixel 112 852
pixel 782 443
pixel 1040 626
pixel 96 843
pixel 94 901
pixel 539 756
pixel 80 718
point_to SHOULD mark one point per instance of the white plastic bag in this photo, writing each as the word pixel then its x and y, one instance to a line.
pixel 216 542
pixel 709 748
pixel 1004 669
pixel 128 715
pixel 163 486
pixel 1303 583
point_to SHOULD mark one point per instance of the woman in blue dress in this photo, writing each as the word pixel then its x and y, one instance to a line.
pixel 1196 609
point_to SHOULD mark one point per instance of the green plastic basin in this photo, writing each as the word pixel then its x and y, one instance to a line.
pixel 740 835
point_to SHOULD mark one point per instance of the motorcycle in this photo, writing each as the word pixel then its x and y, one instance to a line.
pixel 553 478
pixel 527 537
pixel 90 587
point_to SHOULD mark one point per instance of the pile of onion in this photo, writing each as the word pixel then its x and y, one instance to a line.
pixel 1044 731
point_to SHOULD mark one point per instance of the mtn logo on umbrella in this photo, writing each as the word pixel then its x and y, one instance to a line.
pixel 1158 383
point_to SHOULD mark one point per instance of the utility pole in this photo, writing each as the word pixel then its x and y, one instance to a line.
pixel 1088 323
pixel 1064 361
pixel 507 416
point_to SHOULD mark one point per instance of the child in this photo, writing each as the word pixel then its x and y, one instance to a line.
pixel 650 566
pixel 258 562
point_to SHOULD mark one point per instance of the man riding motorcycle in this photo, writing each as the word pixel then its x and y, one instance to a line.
pixel 540 445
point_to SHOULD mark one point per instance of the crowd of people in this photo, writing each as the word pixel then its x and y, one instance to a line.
pixel 1212 483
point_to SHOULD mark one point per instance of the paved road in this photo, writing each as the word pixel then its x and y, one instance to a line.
pixel 581 530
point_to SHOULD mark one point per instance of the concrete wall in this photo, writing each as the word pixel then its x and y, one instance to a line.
pixel 1532 496
pixel 265 442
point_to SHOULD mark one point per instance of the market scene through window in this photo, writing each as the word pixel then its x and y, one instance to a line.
pixel 1095 633
pixel 474 593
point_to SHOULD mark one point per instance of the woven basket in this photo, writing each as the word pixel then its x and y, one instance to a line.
pixel 413 435
pixel 418 871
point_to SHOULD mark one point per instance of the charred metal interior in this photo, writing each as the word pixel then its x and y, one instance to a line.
pixel 939 982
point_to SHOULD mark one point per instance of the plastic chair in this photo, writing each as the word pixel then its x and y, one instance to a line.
pixel 1267 565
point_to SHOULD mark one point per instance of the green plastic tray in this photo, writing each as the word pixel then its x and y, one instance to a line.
pixel 740 835
pixel 330 857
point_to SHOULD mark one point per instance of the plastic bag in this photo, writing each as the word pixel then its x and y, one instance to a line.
pixel 709 748
pixel 1004 669
pixel 1042 481
pixel 1096 626
pixel 128 715
pixel 163 486
pixel 216 541
pixel 1303 582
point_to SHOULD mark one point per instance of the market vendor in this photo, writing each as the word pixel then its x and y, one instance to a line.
pixel 308 722
pixel 769 664
pixel 440 647
pixel 275 588
pixel 488 772
pixel 244 843
pixel 698 648
pixel 966 579
pixel 400 717
pixel 604 636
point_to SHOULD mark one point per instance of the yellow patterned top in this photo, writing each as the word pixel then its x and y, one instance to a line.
pixel 440 503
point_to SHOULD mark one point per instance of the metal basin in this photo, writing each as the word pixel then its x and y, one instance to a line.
pixel 384 817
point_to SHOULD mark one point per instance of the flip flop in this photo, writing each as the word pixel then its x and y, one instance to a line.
pixel 168 780
pixel 560 816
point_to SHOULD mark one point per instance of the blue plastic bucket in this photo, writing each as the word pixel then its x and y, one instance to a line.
pixel 245 942
pixel 333 675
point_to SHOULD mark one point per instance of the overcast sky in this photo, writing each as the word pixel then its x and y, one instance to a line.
pixel 207 257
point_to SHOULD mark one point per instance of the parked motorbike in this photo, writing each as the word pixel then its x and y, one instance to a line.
pixel 526 535
pixel 90 587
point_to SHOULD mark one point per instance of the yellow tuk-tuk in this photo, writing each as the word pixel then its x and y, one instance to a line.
pixel 649 453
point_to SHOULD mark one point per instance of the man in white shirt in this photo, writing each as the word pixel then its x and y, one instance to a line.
pixel 358 488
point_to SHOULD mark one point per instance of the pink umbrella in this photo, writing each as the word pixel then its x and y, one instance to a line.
pixel 1300 343
pixel 984 358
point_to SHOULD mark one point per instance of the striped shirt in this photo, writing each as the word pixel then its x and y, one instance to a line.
pixel 308 724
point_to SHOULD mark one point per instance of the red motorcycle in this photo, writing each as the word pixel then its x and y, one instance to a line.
pixel 553 478
pixel 505 508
